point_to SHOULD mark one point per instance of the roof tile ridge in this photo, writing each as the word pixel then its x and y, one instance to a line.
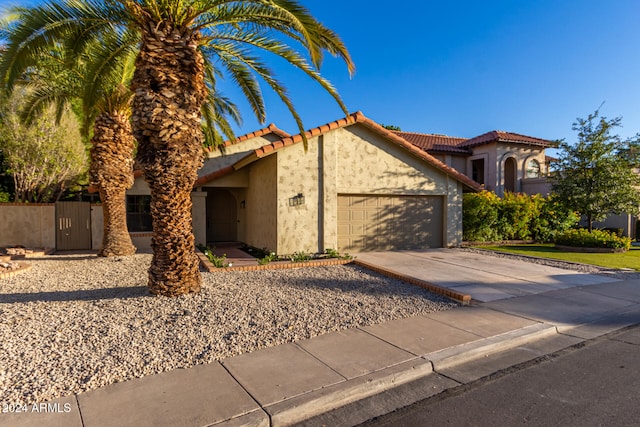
pixel 271 128
pixel 316 131
pixel 522 135
pixel 440 135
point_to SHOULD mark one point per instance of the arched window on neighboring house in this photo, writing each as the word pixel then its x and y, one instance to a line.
pixel 533 169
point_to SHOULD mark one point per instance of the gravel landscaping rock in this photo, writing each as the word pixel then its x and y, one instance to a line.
pixel 75 323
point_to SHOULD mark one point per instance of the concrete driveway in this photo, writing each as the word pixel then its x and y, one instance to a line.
pixel 484 277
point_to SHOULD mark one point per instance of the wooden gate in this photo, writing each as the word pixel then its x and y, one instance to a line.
pixel 73 226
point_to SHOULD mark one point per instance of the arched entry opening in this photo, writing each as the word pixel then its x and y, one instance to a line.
pixel 222 216
pixel 510 175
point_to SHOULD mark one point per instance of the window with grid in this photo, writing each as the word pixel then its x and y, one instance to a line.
pixel 139 213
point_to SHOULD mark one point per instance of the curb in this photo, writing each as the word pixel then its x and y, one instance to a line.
pixel 23 267
pixel 464 299
pixel 467 352
pixel 318 402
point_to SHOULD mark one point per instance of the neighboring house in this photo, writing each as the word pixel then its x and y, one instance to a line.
pixel 501 161
pixel 355 187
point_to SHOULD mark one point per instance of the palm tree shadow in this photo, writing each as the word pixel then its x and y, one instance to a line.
pixel 54 258
pixel 78 295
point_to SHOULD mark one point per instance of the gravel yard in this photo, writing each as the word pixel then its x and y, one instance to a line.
pixel 77 322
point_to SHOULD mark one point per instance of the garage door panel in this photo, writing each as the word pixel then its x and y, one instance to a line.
pixel 389 222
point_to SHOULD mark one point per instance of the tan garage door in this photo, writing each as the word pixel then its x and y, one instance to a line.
pixel 374 223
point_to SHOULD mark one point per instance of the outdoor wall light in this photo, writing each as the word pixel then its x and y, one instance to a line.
pixel 297 200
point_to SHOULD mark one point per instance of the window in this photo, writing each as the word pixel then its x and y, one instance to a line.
pixel 533 169
pixel 477 171
pixel 139 213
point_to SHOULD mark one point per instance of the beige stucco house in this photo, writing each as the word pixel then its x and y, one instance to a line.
pixel 500 161
pixel 353 186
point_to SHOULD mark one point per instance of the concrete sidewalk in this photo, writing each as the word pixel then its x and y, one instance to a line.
pixel 372 370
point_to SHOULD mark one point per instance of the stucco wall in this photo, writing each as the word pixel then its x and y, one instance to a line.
pixel 522 155
pixel 139 188
pixel 97 227
pixel 626 222
pixel 237 179
pixel 536 186
pixel 298 174
pixel 459 163
pixel 352 160
pixel 368 164
pixel 31 225
pixel 488 152
pixel 233 153
pixel 261 204
pixel 199 216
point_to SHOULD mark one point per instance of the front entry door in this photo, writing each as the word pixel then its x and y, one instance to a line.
pixel 222 218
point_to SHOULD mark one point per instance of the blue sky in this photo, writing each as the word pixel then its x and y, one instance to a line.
pixel 462 68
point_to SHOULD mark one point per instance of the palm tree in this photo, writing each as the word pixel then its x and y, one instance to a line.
pixel 99 80
pixel 180 43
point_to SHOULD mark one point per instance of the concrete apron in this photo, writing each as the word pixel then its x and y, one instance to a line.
pixel 484 277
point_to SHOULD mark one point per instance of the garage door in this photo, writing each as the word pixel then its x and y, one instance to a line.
pixel 375 223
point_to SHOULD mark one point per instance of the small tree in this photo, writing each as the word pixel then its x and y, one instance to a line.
pixel 595 176
pixel 44 158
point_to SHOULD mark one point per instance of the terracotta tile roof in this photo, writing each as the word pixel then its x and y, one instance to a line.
pixel 434 142
pixel 213 175
pixel 358 117
pixel 271 129
pixel 450 144
pixel 500 136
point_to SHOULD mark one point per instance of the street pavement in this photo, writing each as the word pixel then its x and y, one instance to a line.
pixel 595 384
pixel 348 377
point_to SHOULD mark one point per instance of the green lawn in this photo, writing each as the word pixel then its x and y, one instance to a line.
pixel 630 259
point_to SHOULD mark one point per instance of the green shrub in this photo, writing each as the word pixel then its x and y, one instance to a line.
pixel 553 217
pixel 217 261
pixel 515 212
pixel 479 216
pixel 5 197
pixel 595 239
pixel 300 257
pixel 332 253
pixel 270 257
pixel 614 230
pixel 486 217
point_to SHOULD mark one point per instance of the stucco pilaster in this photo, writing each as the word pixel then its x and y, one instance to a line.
pixel 453 213
pixel 199 216
pixel 329 209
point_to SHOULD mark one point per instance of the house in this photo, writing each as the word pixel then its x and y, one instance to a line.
pixel 352 186
pixel 500 161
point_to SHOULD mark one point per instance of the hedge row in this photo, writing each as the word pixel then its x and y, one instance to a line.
pixel 595 239
pixel 487 217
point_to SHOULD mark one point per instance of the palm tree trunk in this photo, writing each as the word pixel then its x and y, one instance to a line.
pixel 112 172
pixel 169 90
